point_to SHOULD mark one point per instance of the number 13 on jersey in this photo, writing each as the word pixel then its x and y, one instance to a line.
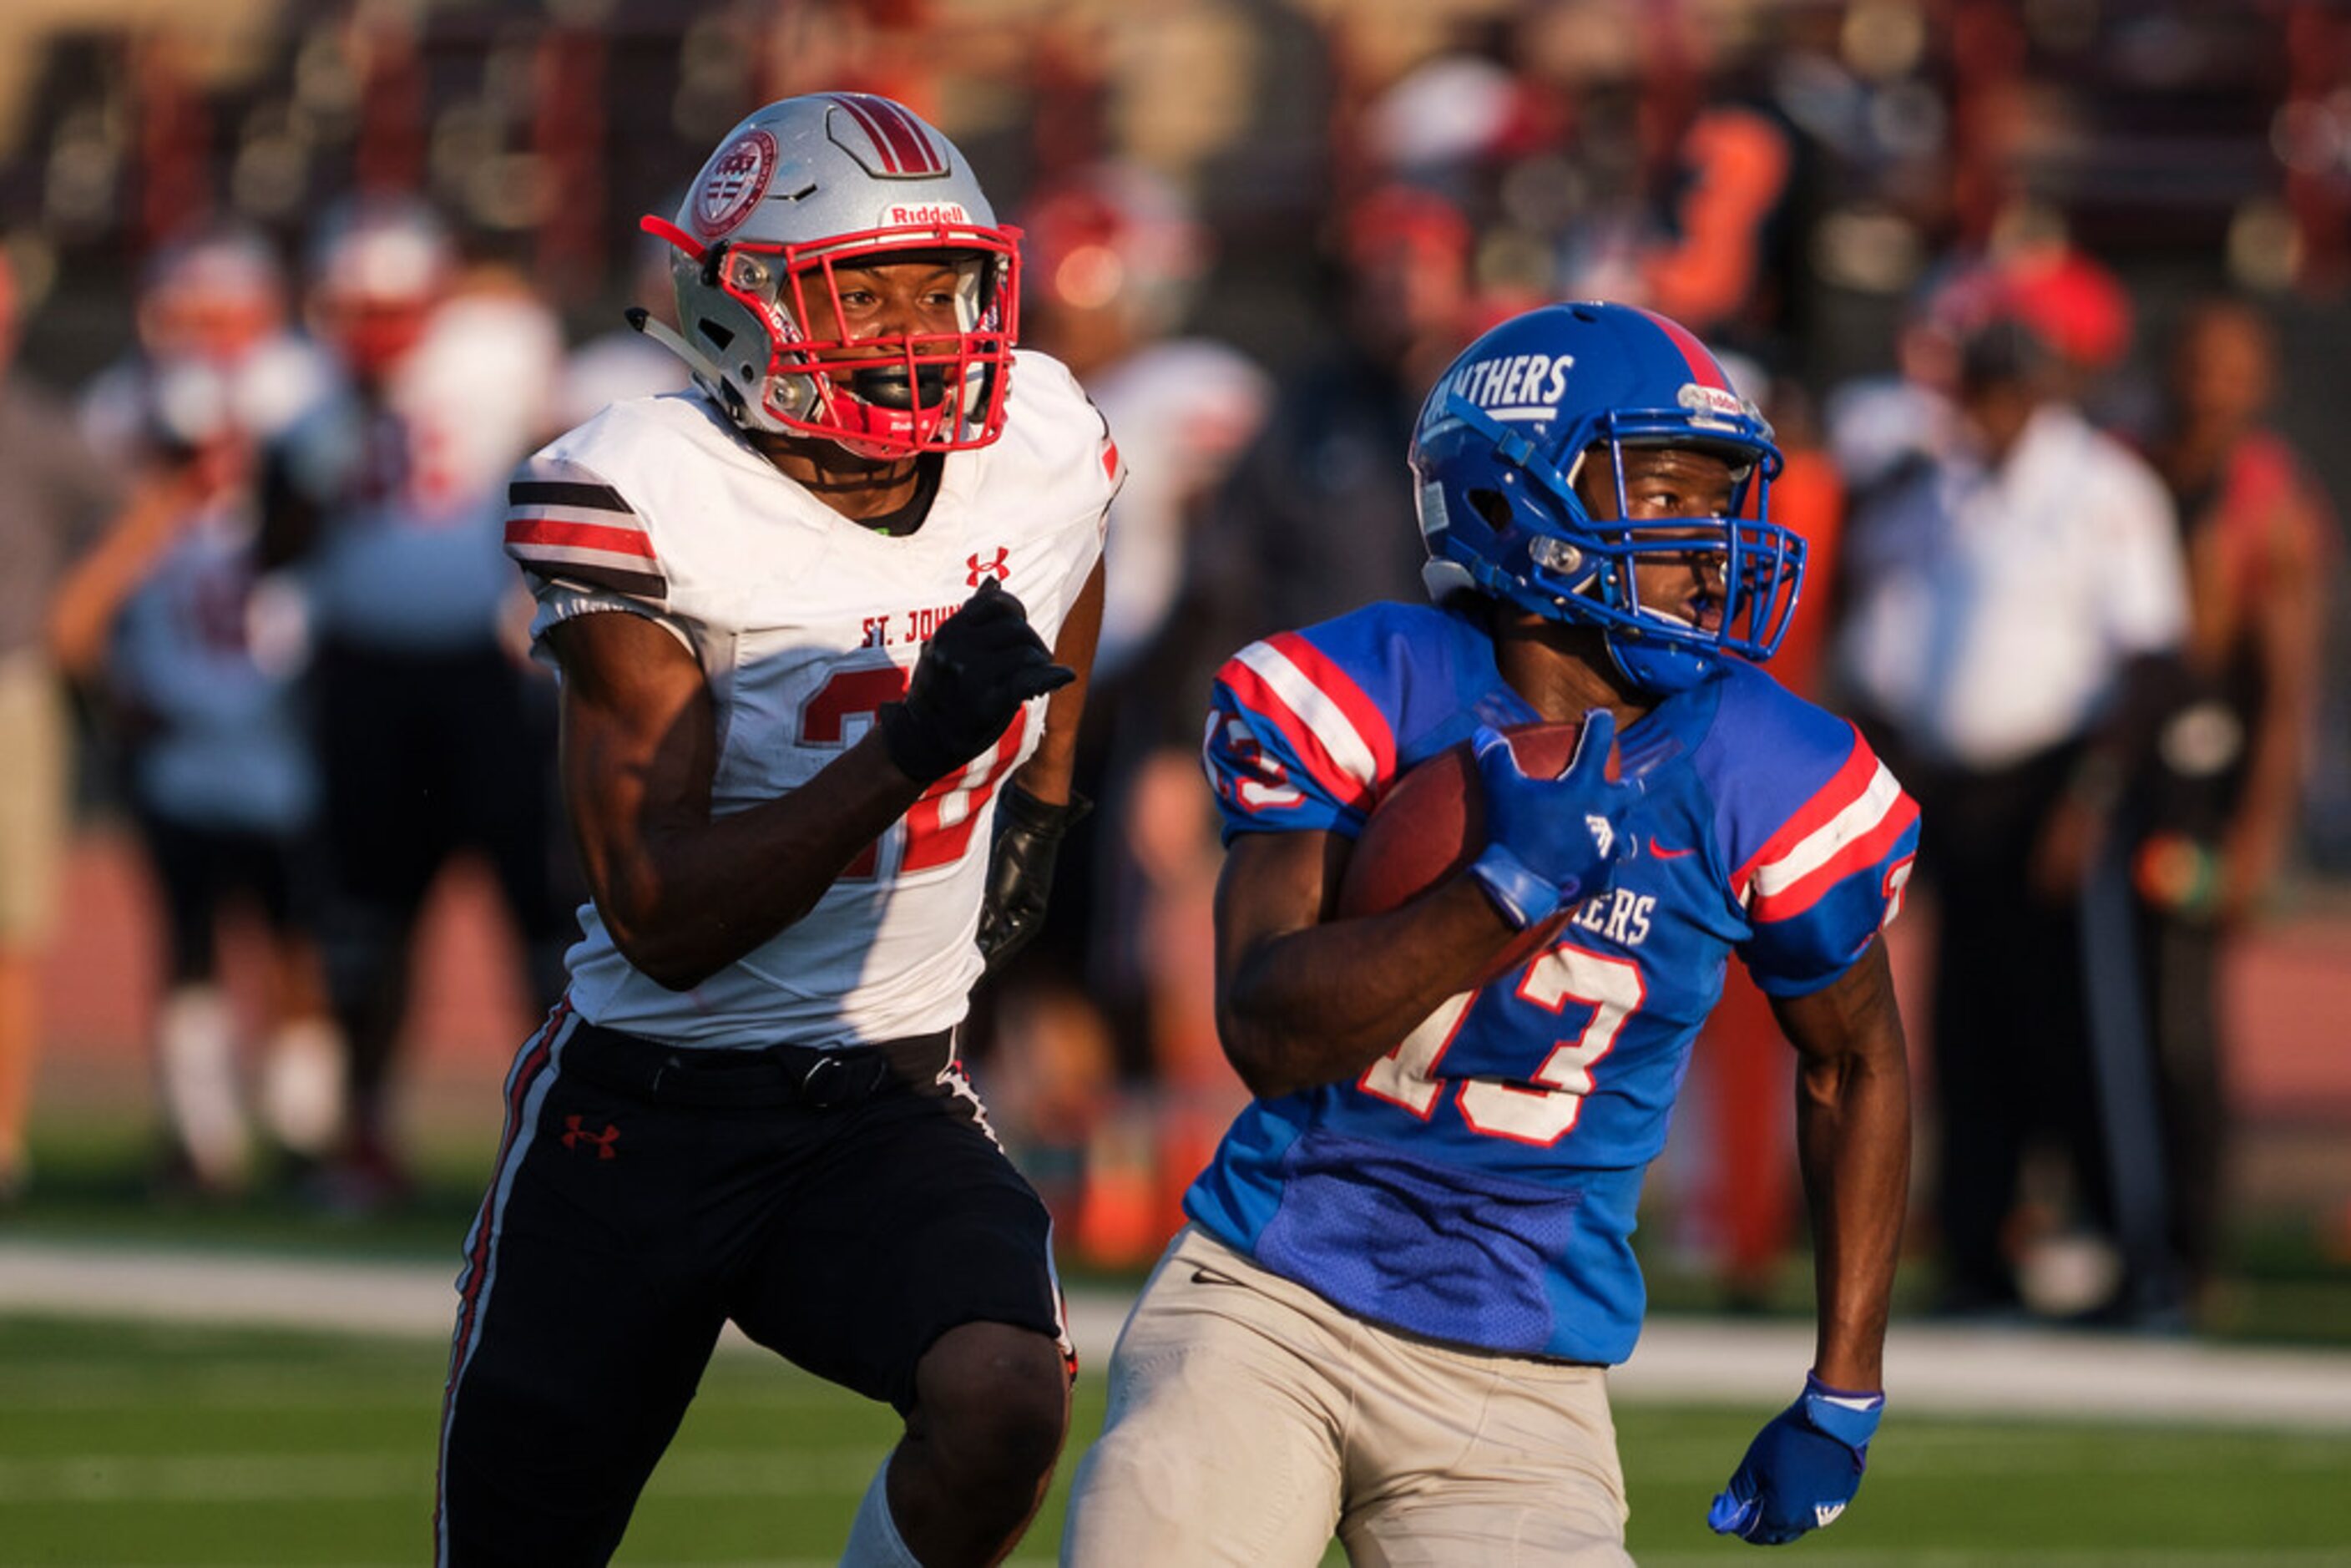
pixel 1543 1107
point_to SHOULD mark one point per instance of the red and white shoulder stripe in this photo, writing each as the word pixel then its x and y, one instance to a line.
pixel 1335 730
pixel 563 522
pixel 1852 822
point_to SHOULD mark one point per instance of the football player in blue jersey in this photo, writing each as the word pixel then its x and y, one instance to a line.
pixel 1409 1264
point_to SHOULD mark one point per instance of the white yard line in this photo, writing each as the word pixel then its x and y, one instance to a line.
pixel 2018 1372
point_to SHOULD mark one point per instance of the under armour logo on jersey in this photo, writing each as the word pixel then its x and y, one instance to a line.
pixel 1602 835
pixel 997 569
pixel 574 1134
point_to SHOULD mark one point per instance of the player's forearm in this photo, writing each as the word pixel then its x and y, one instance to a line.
pixel 1854 1140
pixel 693 895
pixel 1320 1004
pixel 1047 775
pixel 2290 636
pixel 82 613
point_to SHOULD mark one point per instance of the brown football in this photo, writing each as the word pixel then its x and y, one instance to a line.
pixel 1431 823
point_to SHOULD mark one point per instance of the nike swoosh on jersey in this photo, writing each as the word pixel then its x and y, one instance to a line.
pixel 1663 854
pixel 1862 1404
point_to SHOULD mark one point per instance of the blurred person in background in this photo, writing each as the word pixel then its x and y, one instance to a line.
pixel 1114 1100
pixel 1273 497
pixel 1317 516
pixel 623 363
pixel 1645 151
pixel 2217 810
pixel 1736 194
pixel 2013 602
pixel 194 663
pixel 1883 429
pixel 1744 1215
pixel 215 299
pixel 54 497
pixel 430 728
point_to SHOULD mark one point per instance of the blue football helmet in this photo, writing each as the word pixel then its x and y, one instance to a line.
pixel 1506 433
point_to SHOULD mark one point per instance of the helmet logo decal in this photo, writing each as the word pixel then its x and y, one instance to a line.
pixel 927 213
pixel 1704 400
pixel 1513 386
pixel 736 179
pixel 904 150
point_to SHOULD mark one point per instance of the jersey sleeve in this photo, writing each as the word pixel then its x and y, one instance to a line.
pixel 1113 467
pixel 1067 436
pixel 1830 875
pixel 1293 743
pixel 565 524
pixel 583 550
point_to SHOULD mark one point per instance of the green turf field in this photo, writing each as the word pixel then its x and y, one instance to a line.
pixel 156 1444
pixel 2287 1277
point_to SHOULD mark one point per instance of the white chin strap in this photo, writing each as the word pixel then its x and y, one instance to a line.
pixel 706 368
pixel 662 332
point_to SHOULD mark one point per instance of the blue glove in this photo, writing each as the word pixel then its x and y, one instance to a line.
pixel 1803 1467
pixel 1550 842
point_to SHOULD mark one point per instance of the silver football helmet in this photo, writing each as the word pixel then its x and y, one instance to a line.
pixel 831 179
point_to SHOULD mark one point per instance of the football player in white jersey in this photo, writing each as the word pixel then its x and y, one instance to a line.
pixel 816 619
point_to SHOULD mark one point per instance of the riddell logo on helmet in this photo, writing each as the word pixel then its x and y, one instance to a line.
pixel 1514 386
pixel 927 213
pixel 1710 401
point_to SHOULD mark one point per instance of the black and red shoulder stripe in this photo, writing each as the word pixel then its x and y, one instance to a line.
pixel 564 522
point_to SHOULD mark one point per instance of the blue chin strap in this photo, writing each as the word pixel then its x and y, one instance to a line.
pixel 1584 574
pixel 1655 666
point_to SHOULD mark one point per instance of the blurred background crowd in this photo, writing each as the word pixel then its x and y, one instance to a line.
pixel 2045 298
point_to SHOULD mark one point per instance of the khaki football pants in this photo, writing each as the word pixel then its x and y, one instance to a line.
pixel 1250 1420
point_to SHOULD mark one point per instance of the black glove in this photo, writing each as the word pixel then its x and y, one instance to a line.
pixel 977 670
pixel 1028 836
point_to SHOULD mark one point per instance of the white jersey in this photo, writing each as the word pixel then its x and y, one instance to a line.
pixel 408 561
pixel 805 623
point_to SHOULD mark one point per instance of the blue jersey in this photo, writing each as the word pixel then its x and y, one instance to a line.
pixel 223 746
pixel 1477 1183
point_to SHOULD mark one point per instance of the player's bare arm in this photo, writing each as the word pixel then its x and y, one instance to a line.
pixel 1046 775
pixel 1038 811
pixel 1853 1136
pixel 2289 639
pixel 1303 999
pixel 82 612
pixel 1853 1139
pixel 684 892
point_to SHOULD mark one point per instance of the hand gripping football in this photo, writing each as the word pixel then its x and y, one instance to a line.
pixel 1431 823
